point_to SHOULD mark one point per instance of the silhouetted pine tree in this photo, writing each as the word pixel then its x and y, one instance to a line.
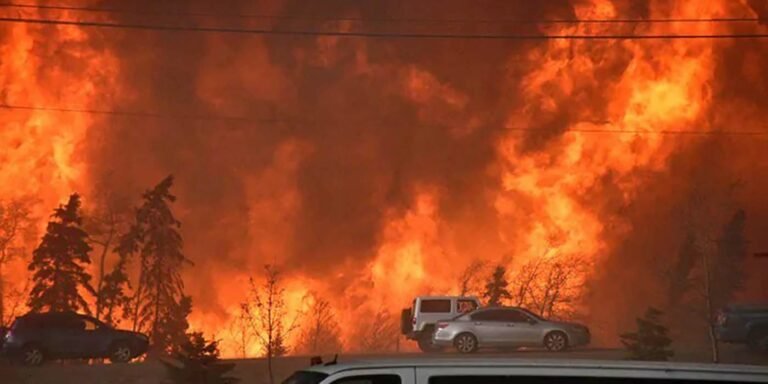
pixel 496 288
pixel 727 266
pixel 200 363
pixel 58 263
pixel 112 294
pixel 159 296
pixel 650 342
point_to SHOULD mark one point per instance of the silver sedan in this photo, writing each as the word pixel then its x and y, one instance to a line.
pixel 504 327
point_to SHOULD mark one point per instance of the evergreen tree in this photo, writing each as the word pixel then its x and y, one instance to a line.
pixel 497 287
pixel 727 266
pixel 158 300
pixel 200 363
pixel 112 294
pixel 58 263
pixel 650 342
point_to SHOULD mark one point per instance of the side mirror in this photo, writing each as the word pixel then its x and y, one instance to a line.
pixel 532 321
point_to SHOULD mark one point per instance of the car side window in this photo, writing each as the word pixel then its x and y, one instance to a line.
pixel 90 325
pixel 490 315
pixel 435 306
pixel 69 323
pixel 370 379
pixel 465 306
pixel 514 316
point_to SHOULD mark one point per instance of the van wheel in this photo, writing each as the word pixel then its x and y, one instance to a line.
pixel 465 343
pixel 120 353
pixel 556 341
pixel 31 355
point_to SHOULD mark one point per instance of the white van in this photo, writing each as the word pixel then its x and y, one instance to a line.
pixel 418 322
pixel 523 371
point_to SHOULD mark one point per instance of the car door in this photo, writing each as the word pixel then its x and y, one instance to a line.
pixel 488 326
pixel 61 334
pixel 92 339
pixel 519 329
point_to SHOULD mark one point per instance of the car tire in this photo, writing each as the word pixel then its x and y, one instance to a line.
pixel 465 343
pixel 32 355
pixel 556 341
pixel 121 352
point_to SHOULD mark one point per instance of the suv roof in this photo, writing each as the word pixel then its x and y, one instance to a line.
pixel 446 297
pixel 557 367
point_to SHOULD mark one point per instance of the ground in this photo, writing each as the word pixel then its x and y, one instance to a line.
pixel 254 371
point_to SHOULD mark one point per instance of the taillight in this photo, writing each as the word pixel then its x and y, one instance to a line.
pixel 722 319
pixel 441 325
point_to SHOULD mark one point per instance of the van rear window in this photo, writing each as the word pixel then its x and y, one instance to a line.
pixel 435 306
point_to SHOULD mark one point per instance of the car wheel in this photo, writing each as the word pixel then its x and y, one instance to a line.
pixel 556 341
pixel 465 343
pixel 32 355
pixel 120 353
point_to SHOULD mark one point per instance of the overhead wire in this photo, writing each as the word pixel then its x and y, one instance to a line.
pixel 294 121
pixel 377 19
pixel 368 34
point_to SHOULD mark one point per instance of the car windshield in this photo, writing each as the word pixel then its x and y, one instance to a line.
pixel 292 180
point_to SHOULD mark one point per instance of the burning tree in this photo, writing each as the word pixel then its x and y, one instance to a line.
pixel 379 334
pixel 158 302
pixel 240 329
pixel 496 289
pixel 15 227
pixel 320 334
pixel 469 276
pixel 555 289
pixel 58 263
pixel 267 310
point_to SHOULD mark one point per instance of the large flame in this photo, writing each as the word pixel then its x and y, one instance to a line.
pixel 397 172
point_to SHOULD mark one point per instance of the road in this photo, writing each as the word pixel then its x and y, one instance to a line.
pixel 255 370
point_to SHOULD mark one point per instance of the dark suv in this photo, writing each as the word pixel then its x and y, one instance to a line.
pixel 35 337
pixel 746 324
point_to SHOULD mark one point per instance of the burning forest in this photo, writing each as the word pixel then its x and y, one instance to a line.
pixel 337 175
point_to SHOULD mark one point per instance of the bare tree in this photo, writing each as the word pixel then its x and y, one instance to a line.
pixel 378 334
pixel 268 311
pixel 105 225
pixel 15 228
pixel 468 280
pixel 708 267
pixel 320 333
pixel 548 286
pixel 241 330
pixel 524 281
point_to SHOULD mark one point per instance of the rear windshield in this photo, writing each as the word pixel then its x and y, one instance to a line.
pixel 435 306
pixel 305 377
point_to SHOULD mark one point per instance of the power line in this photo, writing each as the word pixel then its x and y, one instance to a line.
pixel 289 121
pixel 134 114
pixel 362 19
pixel 394 35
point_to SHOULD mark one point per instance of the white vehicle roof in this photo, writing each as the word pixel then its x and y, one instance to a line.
pixel 555 367
pixel 445 297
